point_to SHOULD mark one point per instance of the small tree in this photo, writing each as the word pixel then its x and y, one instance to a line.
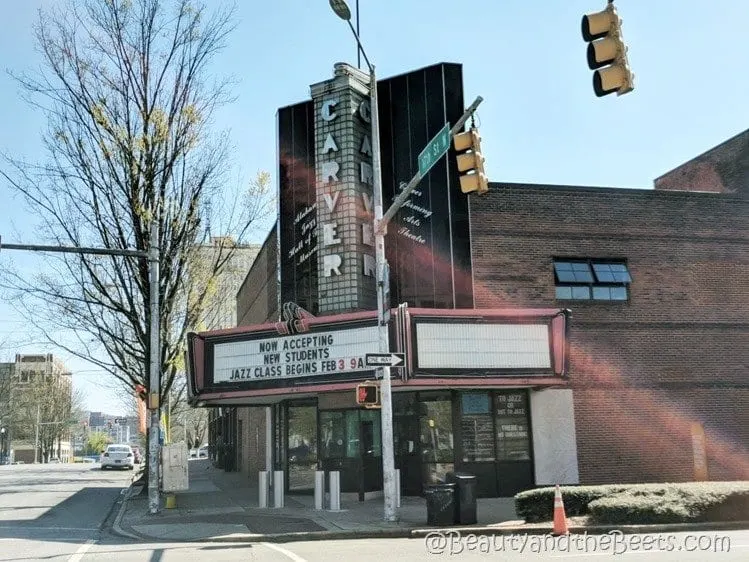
pixel 97 442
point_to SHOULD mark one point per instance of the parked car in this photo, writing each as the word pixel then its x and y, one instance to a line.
pixel 203 452
pixel 117 456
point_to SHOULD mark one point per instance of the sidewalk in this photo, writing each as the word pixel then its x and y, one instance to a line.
pixel 224 506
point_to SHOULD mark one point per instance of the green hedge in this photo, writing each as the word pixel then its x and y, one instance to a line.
pixel 641 503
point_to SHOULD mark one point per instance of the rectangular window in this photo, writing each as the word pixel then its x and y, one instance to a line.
pixel 477 427
pixel 513 433
pixel 586 279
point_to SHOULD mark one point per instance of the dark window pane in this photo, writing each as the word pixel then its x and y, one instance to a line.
pixel 619 293
pixel 582 273
pixel 603 272
pixel 620 272
pixel 437 432
pixel 475 403
pixel 513 435
pixel 564 292
pixel 580 293
pixel 332 434
pixel 601 293
pixel 564 272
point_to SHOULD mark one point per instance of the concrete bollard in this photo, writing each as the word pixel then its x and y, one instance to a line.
pixel 335 491
pixel 319 489
pixel 278 485
pixel 263 489
pixel 397 487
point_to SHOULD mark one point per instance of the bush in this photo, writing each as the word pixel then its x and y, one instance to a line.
pixel 538 505
pixel 641 503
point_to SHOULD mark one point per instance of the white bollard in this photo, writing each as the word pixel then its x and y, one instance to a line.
pixel 278 485
pixel 319 489
pixel 397 487
pixel 335 491
pixel 262 485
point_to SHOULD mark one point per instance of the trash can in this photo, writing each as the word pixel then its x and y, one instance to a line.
pixel 440 504
pixel 465 497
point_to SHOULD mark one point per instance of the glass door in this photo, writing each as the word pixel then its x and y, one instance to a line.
pixel 302 448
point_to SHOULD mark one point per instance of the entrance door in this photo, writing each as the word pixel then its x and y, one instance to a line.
pixel 302 448
pixel 351 444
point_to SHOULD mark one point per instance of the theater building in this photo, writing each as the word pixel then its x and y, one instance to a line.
pixel 552 334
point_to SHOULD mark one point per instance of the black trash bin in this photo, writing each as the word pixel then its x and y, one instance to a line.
pixel 465 497
pixel 440 504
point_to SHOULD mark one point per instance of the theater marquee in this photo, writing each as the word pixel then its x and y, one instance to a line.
pixel 306 355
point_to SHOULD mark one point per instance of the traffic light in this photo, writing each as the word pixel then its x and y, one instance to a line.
pixel 368 395
pixel 471 162
pixel 607 53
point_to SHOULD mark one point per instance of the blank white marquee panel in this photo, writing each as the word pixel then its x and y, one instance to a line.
pixel 482 346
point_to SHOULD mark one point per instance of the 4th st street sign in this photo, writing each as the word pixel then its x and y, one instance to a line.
pixel 384 359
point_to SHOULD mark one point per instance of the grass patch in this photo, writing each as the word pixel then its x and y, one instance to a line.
pixel 641 503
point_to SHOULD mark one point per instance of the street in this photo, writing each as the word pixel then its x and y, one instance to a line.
pixel 65 512
pixel 48 511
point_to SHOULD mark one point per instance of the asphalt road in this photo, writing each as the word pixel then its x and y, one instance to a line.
pixel 65 512
pixel 49 511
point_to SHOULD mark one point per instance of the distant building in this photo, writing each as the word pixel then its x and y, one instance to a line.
pixel 220 306
pixel 36 369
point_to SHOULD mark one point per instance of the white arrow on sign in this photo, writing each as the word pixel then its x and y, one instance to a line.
pixel 384 359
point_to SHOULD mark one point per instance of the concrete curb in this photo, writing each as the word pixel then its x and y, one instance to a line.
pixel 116 526
pixel 464 531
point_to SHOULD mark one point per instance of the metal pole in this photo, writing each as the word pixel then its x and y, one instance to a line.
pixel 388 456
pixel 358 45
pixel 36 439
pixel 154 385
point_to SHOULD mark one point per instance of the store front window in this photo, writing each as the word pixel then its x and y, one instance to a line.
pixel 302 447
pixel 513 433
pixel 437 440
pixel 477 427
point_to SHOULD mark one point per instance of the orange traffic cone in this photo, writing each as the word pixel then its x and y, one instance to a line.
pixel 560 519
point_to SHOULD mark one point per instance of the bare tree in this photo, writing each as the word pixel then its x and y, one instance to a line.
pixel 126 92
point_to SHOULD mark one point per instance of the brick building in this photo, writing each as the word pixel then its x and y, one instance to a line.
pixel 647 384
pixel 673 352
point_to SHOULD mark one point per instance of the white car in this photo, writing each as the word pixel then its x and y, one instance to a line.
pixel 117 456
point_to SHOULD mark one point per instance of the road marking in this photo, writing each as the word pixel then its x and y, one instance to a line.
pixel 35 528
pixel 81 552
pixel 287 553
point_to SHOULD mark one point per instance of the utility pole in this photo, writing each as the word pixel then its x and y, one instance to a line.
pixel 154 380
pixel 36 438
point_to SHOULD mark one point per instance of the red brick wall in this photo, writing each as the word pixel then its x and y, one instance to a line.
pixel 257 297
pixel 676 352
pixel 722 169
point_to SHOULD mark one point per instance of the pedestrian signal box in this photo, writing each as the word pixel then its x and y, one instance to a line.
pixel 368 395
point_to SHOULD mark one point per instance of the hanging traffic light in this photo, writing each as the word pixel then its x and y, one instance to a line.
pixel 607 53
pixel 471 162
pixel 368 395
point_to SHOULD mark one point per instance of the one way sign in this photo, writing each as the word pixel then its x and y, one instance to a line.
pixel 385 359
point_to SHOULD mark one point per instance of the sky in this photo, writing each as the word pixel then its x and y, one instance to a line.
pixel 540 121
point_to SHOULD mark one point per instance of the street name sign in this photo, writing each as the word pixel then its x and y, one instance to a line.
pixel 384 359
pixel 434 150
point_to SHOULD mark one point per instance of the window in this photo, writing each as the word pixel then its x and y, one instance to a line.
pixel 599 280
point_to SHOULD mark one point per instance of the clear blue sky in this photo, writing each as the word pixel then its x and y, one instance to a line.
pixel 540 121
